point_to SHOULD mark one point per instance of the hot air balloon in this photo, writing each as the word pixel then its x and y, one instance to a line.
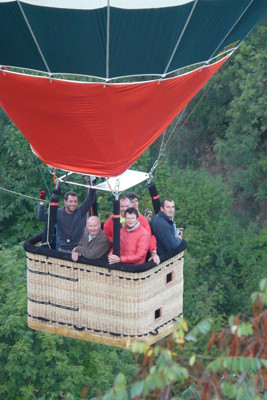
pixel 91 85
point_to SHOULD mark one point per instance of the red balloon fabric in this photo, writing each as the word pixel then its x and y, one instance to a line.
pixel 91 127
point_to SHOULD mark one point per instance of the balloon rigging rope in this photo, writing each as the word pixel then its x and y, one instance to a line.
pixel 32 198
pixel 164 145
pixel 22 195
pixel 42 175
pixel 173 131
pixel 228 33
pixel 33 36
pixel 108 39
pixel 48 229
pixel 180 37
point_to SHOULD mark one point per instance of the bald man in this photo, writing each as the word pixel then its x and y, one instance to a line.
pixel 94 243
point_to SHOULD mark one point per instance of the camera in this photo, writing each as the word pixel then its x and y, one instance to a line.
pixel 147 212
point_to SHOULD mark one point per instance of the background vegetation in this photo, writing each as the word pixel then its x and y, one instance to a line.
pixel 215 169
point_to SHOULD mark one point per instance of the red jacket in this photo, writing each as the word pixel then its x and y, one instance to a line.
pixel 134 245
pixel 108 229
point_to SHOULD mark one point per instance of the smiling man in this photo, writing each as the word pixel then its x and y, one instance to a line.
pixel 94 243
pixel 163 227
pixel 134 241
pixel 70 219
pixel 125 203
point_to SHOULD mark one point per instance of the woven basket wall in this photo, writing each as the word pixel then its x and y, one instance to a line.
pixel 101 305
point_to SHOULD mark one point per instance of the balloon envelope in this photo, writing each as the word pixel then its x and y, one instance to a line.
pixel 128 37
pixel 97 128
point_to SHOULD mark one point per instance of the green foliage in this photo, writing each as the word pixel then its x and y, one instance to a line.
pixel 242 148
pixel 37 365
pixel 201 328
pixel 226 132
pixel 236 364
pixel 163 373
pixel 263 289
pixel 222 256
pixel 19 173
pixel 237 370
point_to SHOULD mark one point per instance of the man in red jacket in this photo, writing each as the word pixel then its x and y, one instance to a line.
pixel 125 203
pixel 134 241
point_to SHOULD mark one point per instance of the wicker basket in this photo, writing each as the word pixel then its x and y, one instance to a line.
pixel 104 305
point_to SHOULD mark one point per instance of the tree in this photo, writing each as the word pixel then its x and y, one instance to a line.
pixel 224 127
pixel 38 365
pixel 243 148
pixel 234 365
pixel 19 174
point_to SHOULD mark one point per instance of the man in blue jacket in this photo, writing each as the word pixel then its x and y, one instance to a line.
pixel 163 227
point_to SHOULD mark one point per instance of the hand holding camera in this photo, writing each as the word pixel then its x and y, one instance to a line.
pixel 148 214
pixel 179 232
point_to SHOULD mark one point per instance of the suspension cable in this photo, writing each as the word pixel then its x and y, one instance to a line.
pixel 34 198
pixel 180 38
pixel 164 145
pixel 228 33
pixel 173 130
pixel 22 195
pixel 108 40
pixel 42 175
pixel 48 229
pixel 179 117
pixel 34 37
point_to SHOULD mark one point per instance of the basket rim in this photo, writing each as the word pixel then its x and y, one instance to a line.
pixel 31 246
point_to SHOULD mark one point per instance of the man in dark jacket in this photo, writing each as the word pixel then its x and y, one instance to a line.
pixel 94 243
pixel 70 219
pixel 163 227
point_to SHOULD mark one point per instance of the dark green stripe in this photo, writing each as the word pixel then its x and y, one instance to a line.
pixel 141 41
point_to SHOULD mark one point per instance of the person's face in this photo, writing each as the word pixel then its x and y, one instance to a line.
pixel 131 220
pixel 168 209
pixel 93 226
pixel 124 204
pixel 71 204
pixel 135 203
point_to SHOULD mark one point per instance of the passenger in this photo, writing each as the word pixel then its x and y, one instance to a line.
pixel 143 221
pixel 94 243
pixel 163 227
pixel 125 203
pixel 134 241
pixel 70 219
